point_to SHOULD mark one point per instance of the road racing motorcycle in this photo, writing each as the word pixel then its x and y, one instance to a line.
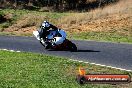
pixel 56 42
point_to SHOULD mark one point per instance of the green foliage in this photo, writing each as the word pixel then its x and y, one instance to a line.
pixel 29 18
pixel 5 22
pixel 2 19
pixel 1 14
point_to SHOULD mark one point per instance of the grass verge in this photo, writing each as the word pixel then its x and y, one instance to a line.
pixel 29 18
pixel 101 36
pixel 29 70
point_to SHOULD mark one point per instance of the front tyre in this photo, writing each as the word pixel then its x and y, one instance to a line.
pixel 42 43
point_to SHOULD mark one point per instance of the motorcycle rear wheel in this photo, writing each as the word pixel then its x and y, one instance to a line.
pixel 73 47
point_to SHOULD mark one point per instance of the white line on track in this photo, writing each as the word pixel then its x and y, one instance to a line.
pixel 101 65
pixel 10 50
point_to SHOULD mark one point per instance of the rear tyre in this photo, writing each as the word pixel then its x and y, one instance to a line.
pixel 73 47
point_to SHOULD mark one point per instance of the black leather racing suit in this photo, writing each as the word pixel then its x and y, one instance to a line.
pixel 45 31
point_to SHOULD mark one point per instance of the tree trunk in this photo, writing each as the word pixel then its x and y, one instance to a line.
pixel 30 2
pixel 100 1
pixel 15 3
pixel 4 1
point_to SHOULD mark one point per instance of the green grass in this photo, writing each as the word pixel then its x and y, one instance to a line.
pixel 29 18
pixel 11 34
pixel 17 14
pixel 29 70
pixel 102 36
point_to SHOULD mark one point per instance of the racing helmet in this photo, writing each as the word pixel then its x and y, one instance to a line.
pixel 45 25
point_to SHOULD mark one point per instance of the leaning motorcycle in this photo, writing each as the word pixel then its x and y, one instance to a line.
pixel 63 44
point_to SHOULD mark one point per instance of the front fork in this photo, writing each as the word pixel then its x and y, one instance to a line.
pixel 42 41
pixel 47 43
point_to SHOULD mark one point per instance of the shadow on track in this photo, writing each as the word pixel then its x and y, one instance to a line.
pixel 77 50
pixel 87 51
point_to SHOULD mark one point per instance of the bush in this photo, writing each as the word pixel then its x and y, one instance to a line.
pixel 2 19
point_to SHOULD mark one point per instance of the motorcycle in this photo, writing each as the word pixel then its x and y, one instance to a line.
pixel 62 44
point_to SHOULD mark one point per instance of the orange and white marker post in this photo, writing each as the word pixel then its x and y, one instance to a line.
pixel 102 78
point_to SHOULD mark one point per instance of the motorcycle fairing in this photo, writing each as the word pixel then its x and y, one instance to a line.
pixel 57 40
pixel 36 34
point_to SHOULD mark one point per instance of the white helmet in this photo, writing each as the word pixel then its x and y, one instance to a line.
pixel 45 24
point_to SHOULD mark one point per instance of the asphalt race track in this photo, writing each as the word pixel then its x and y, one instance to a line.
pixel 110 54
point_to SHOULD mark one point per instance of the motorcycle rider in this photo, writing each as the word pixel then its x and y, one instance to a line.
pixel 45 30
